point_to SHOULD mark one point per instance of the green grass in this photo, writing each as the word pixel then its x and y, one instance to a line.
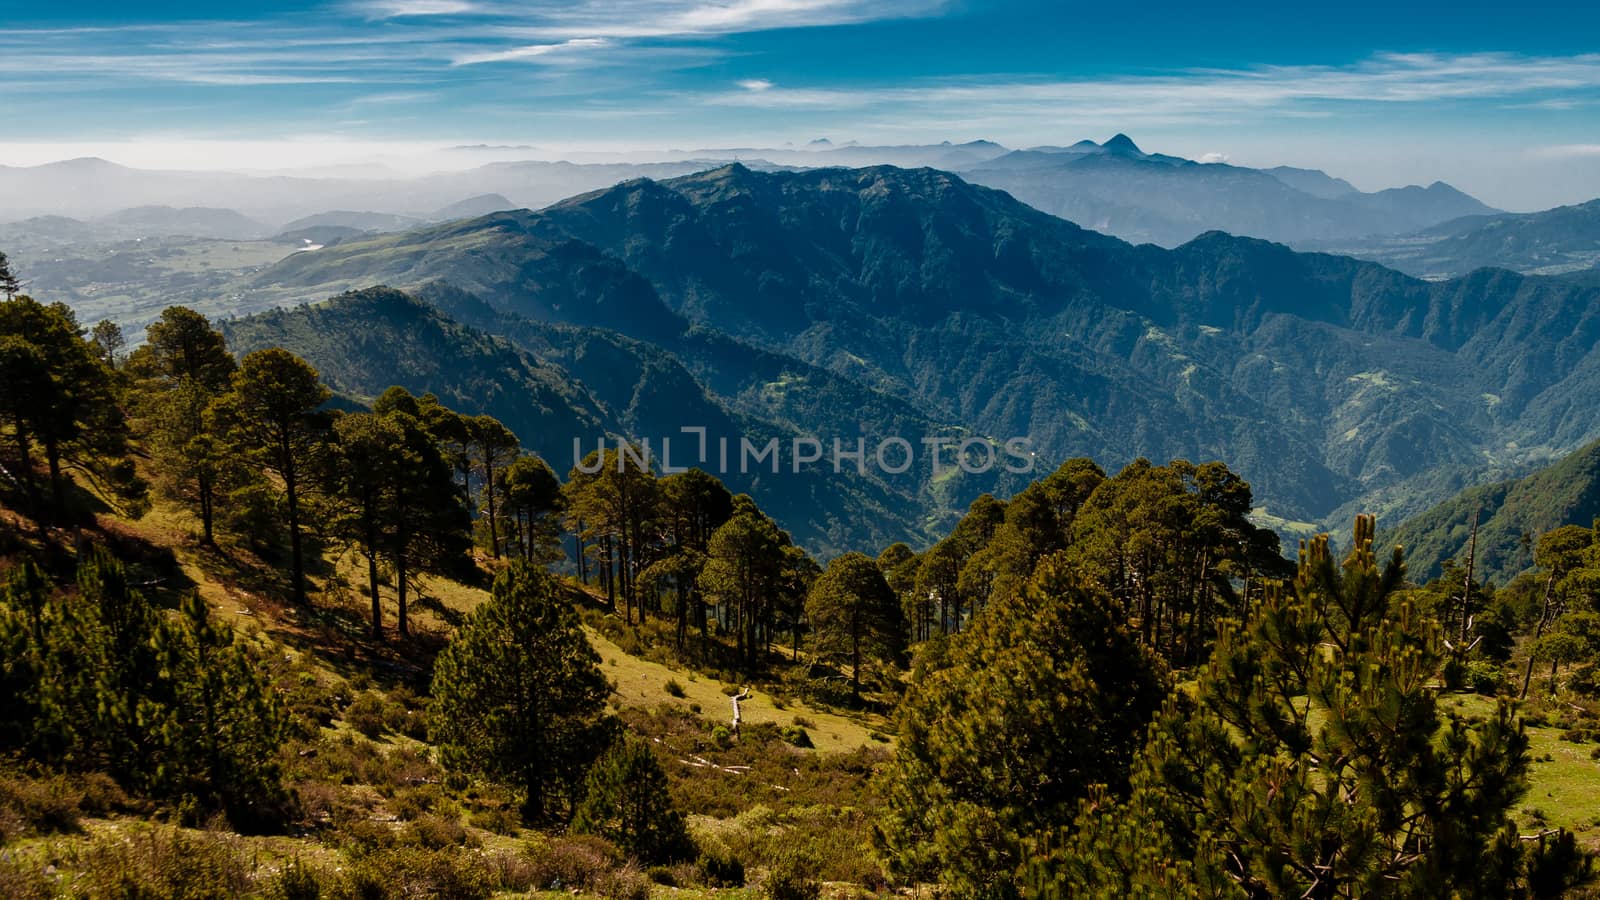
pixel 130 282
pixel 642 683
pixel 1564 782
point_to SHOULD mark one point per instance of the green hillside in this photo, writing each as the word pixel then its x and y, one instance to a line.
pixel 932 303
pixel 1511 513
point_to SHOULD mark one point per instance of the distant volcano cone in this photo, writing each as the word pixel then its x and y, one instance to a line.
pixel 1122 144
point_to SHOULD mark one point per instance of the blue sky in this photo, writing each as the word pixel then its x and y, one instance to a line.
pixel 1502 100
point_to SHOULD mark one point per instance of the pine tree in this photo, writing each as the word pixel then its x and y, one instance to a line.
pixel 91 692
pixel 108 342
pixel 430 527
pixel 271 414
pixel 9 285
pixel 744 572
pixel 493 448
pixel 626 801
pixel 368 462
pixel 693 506
pixel 518 694
pixel 1313 761
pixel 103 681
pixel 532 501
pixel 115 699
pixel 1174 545
pixel 936 594
pixel 185 366
pixel 221 739
pixel 60 396
pixel 854 616
pixel 617 502
pixel 24 616
pixel 899 565
pixel 1045 697
pixel 397 503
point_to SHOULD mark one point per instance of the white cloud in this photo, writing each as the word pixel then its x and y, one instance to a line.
pixel 683 18
pixel 1212 158
pixel 756 84
pixel 528 53
pixel 1553 104
pixel 1566 151
pixel 388 42
pixel 1195 95
pixel 398 9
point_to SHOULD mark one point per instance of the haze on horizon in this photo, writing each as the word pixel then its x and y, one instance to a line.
pixel 1379 96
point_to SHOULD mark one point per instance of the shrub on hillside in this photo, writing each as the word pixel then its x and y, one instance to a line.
pixel 415 872
pixel 566 863
pixel 162 862
pixel 790 879
pixel 626 801
pixel 366 715
pixel 720 869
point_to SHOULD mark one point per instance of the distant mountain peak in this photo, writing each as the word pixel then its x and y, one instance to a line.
pixel 1121 143
pixel 472 207
pixel 85 163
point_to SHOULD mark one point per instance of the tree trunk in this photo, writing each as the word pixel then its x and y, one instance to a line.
pixel 297 572
pixel 401 571
pixel 1466 585
pixel 488 493
pixel 1538 631
pixel 683 612
pixel 25 475
pixel 206 511
pixel 58 500
pixel 577 548
pixel 372 584
pixel 855 664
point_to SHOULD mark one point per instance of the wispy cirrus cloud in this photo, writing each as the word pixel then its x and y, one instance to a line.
pixel 1199 93
pixel 532 52
pixel 388 41
pixel 682 18
pixel 1566 151
pixel 399 9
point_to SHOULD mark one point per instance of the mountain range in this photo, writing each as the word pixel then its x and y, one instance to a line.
pixel 882 301
pixel 555 384
pixel 1552 242
pixel 1114 187
pixel 52 232
pixel 1118 189
pixel 1510 513
pixel 89 188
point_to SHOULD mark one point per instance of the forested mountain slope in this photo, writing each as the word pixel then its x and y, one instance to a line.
pixel 1117 188
pixel 1510 513
pixel 552 385
pixel 1324 379
pixel 1553 241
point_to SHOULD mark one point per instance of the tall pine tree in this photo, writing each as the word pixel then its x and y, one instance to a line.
pixel 185 366
pixel 855 616
pixel 1312 760
pixel 518 694
pixel 626 801
pixel 1045 697
pixel 272 415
